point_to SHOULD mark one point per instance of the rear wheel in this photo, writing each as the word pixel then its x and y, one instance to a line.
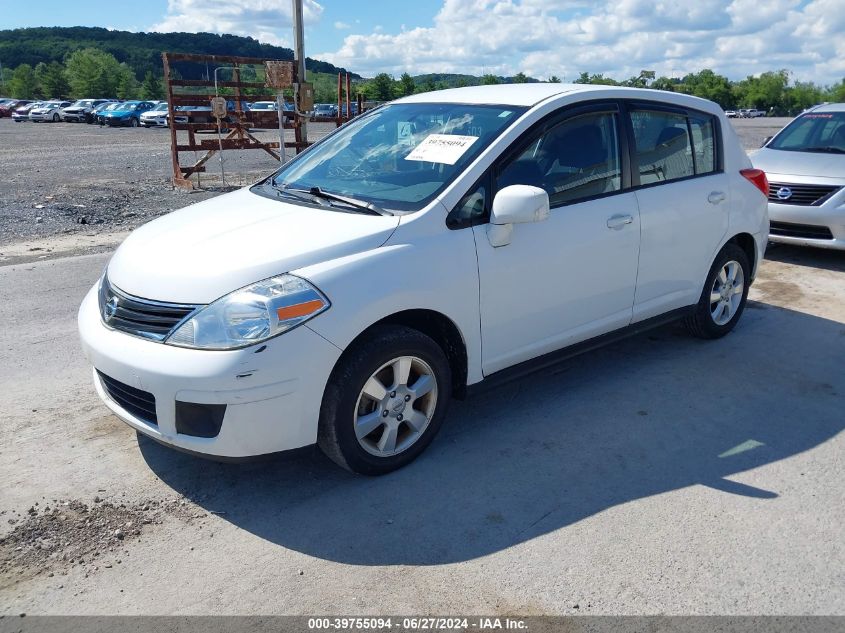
pixel 133 122
pixel 385 401
pixel 724 295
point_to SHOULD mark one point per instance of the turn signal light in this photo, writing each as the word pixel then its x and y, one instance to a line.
pixel 757 177
pixel 299 310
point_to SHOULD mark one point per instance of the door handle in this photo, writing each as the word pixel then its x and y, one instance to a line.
pixel 716 197
pixel 616 222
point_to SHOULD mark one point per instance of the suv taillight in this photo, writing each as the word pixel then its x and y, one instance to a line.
pixel 757 177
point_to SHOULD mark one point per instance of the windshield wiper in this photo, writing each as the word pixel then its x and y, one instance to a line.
pixel 316 192
pixel 825 148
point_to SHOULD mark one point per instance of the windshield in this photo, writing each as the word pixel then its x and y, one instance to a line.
pixel 159 107
pixel 263 105
pixel 813 132
pixel 399 156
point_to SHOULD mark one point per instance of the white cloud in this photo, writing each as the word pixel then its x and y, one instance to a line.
pixel 268 21
pixel 615 37
pixel 342 26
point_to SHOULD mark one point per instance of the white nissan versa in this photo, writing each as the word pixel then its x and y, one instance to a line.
pixel 436 242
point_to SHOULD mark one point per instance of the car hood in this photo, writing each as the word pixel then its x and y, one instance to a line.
pixel 209 249
pixel 819 164
pixel 117 112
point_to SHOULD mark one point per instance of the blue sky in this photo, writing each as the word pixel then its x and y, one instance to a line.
pixel 539 37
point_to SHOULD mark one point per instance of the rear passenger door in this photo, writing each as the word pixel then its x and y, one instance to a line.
pixel 683 197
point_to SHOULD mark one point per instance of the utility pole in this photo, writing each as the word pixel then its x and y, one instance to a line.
pixel 299 58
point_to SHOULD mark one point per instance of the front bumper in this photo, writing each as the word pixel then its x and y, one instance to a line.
pixel 41 117
pixel 73 116
pixel 272 397
pixel 803 224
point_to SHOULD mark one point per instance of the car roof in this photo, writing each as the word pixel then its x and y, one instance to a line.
pixel 829 107
pixel 535 93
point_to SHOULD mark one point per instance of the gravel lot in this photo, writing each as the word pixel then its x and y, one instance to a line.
pixel 72 179
pixel 592 488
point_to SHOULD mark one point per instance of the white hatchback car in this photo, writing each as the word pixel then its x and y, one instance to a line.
pixel 436 242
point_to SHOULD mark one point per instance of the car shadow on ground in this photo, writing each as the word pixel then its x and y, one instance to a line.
pixel 808 256
pixel 653 414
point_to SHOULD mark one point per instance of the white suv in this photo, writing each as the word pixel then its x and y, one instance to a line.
pixel 432 244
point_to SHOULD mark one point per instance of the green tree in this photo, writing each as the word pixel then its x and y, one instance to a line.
pixel 406 85
pixel 489 80
pixel 428 85
pixel 554 79
pixel 93 73
pixel 520 78
pixel 837 92
pixel 51 78
pixel 801 96
pixel 127 85
pixel 587 78
pixel 381 87
pixel 24 83
pixel 664 83
pixel 708 85
pixel 151 87
pixel 763 92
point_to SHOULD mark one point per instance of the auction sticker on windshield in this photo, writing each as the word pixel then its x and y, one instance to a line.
pixel 442 148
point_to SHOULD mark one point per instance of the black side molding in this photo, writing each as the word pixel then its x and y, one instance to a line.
pixel 551 359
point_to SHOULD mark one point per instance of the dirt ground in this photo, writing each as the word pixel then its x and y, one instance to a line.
pixel 591 488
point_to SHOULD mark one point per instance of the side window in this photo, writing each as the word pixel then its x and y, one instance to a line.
pixel 663 146
pixel 703 143
pixel 577 159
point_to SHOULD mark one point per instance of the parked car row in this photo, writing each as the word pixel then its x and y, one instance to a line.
pixel 148 113
pixel 8 106
pixel 745 113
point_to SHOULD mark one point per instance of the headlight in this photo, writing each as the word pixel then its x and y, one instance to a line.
pixel 251 315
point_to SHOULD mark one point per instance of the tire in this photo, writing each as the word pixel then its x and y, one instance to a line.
pixel 56 118
pixel 134 122
pixel 367 366
pixel 714 318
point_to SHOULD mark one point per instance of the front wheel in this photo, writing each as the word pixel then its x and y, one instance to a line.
pixel 724 295
pixel 56 118
pixel 385 401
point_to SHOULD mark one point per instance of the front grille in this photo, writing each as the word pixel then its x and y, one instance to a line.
pixel 807 231
pixel 141 404
pixel 140 317
pixel 805 195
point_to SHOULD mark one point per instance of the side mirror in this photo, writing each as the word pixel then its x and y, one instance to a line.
pixel 766 141
pixel 517 204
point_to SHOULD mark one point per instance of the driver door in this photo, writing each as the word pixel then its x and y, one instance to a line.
pixel 573 276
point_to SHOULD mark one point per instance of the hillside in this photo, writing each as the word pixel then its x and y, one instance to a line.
pixel 140 51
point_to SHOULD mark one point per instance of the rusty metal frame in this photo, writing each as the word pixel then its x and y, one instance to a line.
pixel 238 136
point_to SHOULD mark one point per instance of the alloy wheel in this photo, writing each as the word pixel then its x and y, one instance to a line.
pixel 726 293
pixel 395 406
